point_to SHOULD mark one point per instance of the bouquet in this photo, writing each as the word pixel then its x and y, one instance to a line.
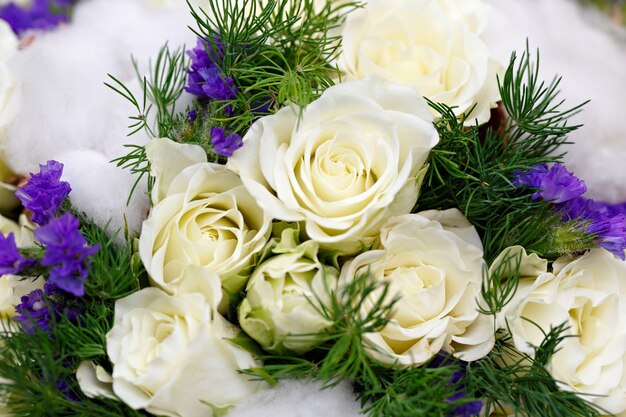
pixel 354 195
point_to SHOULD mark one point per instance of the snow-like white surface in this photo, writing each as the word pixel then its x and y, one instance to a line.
pixel 300 399
pixel 67 114
pixel 65 111
pixel 589 52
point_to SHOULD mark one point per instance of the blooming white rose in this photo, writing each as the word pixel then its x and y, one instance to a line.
pixel 433 263
pixel 354 158
pixel 13 287
pixel 589 294
pixel 172 356
pixel 281 294
pixel 8 48
pixel 430 45
pixel 204 222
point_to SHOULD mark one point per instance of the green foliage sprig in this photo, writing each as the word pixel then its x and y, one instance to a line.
pixel 161 89
pixel 472 167
pixel 509 380
pixel 39 368
pixel 384 391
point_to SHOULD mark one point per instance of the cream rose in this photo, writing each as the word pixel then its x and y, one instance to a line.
pixel 589 294
pixel 433 263
pixel 172 356
pixel 8 201
pixel 354 158
pixel 283 295
pixel 203 223
pixel 430 45
pixel 8 48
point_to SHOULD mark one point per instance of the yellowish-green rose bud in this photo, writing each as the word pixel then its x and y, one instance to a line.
pixel 279 310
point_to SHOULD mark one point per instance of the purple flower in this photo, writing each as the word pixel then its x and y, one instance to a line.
pixel 11 261
pixel 468 409
pixel 64 386
pixel 607 222
pixel 608 226
pixel 67 250
pixel 223 144
pixel 45 192
pixel 39 15
pixel 205 79
pixel 465 410
pixel 554 184
pixel 34 312
pixel 192 115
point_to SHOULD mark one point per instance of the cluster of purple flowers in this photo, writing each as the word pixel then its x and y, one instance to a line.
pixel 67 252
pixel 468 409
pixel 11 260
pixel 205 79
pixel 556 184
pixel 66 249
pixel 225 144
pixel 40 15
pixel 45 192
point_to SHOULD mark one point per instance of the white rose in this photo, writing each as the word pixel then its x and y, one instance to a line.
pixel 282 296
pixel 429 45
pixel 204 222
pixel 172 356
pixel 589 294
pixel 354 158
pixel 13 287
pixel 8 48
pixel 433 263
pixel 8 201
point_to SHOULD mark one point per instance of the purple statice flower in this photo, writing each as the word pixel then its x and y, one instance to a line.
pixel 608 226
pixel 471 407
pixel 67 251
pixel 64 386
pixel 553 183
pixel 45 192
pixel 11 261
pixel 205 79
pixel 556 184
pixel 40 15
pixel 223 144
pixel 468 409
pixel 35 312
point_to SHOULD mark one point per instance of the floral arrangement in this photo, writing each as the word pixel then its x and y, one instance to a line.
pixel 358 192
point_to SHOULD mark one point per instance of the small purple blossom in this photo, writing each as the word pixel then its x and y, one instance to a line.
pixel 11 261
pixel 45 192
pixel 64 386
pixel 205 79
pixel 554 184
pixel 608 226
pixel 40 15
pixel 192 115
pixel 215 85
pixel 223 144
pixel 468 409
pixel 34 312
pixel 67 251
